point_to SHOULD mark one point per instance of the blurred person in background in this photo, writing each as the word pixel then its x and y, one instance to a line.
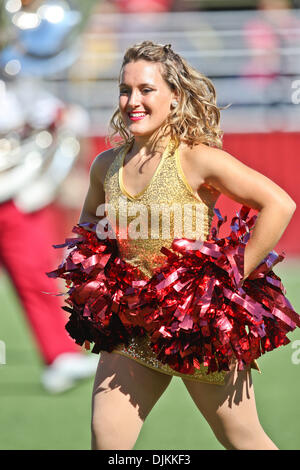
pixel 146 6
pixel 263 34
pixel 121 299
pixel 39 146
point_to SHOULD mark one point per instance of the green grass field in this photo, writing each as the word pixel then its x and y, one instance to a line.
pixel 33 419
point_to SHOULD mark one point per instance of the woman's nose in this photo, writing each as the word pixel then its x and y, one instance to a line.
pixel 133 98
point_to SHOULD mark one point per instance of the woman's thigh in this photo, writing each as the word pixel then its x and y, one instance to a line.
pixel 123 395
pixel 231 410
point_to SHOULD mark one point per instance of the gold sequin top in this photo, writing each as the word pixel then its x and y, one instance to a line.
pixel 152 219
pixel 167 208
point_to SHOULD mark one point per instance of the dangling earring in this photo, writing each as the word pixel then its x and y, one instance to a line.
pixel 174 104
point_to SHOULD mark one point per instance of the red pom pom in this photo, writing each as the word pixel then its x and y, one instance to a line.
pixel 195 308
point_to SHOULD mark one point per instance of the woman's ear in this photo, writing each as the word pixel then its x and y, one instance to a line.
pixel 175 100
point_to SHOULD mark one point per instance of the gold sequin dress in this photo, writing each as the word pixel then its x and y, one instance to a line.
pixel 149 209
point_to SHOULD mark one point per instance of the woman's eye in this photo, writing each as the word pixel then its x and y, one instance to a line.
pixel 144 90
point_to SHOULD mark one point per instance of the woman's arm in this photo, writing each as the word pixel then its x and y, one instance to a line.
pixel 96 195
pixel 241 183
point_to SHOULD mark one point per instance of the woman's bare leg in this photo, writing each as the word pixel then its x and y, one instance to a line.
pixel 231 411
pixel 124 393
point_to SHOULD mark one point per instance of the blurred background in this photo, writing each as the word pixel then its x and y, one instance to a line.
pixel 59 65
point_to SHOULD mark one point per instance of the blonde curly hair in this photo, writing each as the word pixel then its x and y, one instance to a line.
pixel 197 116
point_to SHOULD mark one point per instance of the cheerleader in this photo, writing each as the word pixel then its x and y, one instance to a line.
pixel 151 285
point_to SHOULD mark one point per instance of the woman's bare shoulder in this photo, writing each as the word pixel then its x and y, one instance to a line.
pixel 210 160
pixel 235 179
pixel 106 157
pixel 102 162
pixel 202 151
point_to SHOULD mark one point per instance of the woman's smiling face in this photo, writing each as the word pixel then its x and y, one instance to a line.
pixel 145 97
